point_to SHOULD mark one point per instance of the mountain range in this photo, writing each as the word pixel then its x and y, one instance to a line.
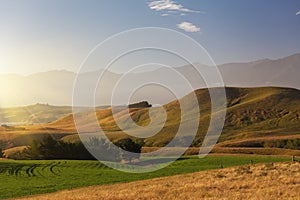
pixel 56 87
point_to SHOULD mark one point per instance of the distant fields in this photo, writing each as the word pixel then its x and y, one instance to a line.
pixel 21 178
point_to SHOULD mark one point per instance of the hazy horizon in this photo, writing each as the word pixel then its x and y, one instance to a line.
pixel 148 70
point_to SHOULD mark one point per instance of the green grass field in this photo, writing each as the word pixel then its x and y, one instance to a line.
pixel 21 178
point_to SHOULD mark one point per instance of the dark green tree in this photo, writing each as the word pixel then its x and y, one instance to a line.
pixel 32 151
pixel 1 153
pixel 104 149
pixel 49 148
pixel 142 104
pixel 132 149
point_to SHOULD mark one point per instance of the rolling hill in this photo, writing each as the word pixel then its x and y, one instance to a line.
pixel 37 114
pixel 254 116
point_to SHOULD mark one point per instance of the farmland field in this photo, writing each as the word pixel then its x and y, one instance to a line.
pixel 21 178
pixel 258 181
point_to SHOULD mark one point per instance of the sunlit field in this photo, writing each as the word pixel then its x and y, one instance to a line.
pixel 260 181
pixel 22 178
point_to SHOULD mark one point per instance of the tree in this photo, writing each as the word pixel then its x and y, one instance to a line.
pixel 49 147
pixel 1 153
pixel 132 149
pixel 142 104
pixel 33 151
pixel 103 149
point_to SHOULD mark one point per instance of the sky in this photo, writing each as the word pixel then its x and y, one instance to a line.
pixel 39 36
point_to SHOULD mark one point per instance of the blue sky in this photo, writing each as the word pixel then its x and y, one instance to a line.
pixel 58 34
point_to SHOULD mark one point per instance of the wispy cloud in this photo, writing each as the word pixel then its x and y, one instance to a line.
pixel 169 5
pixel 164 14
pixel 188 27
pixel 298 13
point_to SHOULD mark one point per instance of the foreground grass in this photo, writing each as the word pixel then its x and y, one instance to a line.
pixel 260 181
pixel 21 178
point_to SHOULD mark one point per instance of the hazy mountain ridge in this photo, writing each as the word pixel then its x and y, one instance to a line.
pixel 56 87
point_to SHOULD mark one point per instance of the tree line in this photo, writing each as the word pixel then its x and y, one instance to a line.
pixel 286 144
pixel 49 148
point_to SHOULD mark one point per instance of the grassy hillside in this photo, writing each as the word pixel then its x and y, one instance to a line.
pixel 253 114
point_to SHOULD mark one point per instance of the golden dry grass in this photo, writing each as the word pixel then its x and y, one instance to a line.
pixel 262 181
pixel 227 150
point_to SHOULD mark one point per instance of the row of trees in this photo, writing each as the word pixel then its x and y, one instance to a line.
pixel 49 148
pixel 286 144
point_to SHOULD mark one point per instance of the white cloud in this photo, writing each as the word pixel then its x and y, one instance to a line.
pixel 188 27
pixel 164 14
pixel 298 13
pixel 169 5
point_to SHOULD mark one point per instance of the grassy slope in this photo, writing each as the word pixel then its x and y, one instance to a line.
pixel 268 113
pixel 19 178
pixel 262 181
